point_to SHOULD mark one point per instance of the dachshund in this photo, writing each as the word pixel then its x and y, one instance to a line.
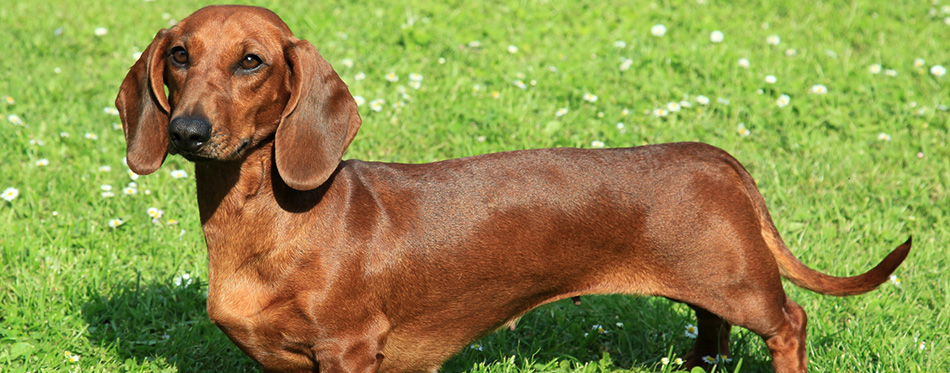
pixel 323 264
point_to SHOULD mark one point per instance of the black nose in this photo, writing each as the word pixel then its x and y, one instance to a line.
pixel 188 134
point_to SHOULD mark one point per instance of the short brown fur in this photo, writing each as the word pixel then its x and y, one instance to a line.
pixel 351 266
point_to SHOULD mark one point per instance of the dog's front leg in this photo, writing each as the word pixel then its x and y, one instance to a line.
pixel 354 350
pixel 357 358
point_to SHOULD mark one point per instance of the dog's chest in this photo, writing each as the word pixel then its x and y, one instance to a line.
pixel 256 317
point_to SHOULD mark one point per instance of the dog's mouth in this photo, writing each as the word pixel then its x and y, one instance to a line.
pixel 241 148
pixel 195 158
pixel 211 151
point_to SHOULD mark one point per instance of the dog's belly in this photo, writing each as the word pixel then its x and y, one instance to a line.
pixel 440 330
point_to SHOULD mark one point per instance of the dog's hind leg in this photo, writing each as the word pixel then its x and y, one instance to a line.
pixel 780 322
pixel 787 344
pixel 712 339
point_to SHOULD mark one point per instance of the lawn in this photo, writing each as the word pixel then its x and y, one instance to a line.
pixel 838 109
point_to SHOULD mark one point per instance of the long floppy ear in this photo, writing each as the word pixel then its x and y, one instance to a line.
pixel 319 122
pixel 144 109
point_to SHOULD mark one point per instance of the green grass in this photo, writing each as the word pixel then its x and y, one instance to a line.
pixel 841 197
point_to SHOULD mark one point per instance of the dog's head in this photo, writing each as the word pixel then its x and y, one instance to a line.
pixel 236 76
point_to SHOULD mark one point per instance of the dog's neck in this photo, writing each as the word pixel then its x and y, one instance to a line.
pixel 225 191
pixel 224 186
pixel 237 199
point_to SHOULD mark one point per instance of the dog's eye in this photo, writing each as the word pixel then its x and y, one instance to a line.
pixel 251 62
pixel 179 55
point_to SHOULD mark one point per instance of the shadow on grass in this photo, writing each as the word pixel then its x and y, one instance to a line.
pixel 614 332
pixel 162 324
pixel 167 325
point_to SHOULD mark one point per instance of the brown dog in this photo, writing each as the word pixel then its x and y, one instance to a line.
pixel 358 266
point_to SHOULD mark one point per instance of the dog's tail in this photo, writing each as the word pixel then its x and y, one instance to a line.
pixel 799 274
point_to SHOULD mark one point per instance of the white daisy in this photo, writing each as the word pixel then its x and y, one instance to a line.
pixel 742 130
pixel 377 104
pixel 893 279
pixel 154 213
pixel 182 280
pixel 15 119
pixel 692 331
pixel 71 357
pixel 625 64
pixel 783 101
pixel 10 194
pixel 818 89
pixel 938 70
